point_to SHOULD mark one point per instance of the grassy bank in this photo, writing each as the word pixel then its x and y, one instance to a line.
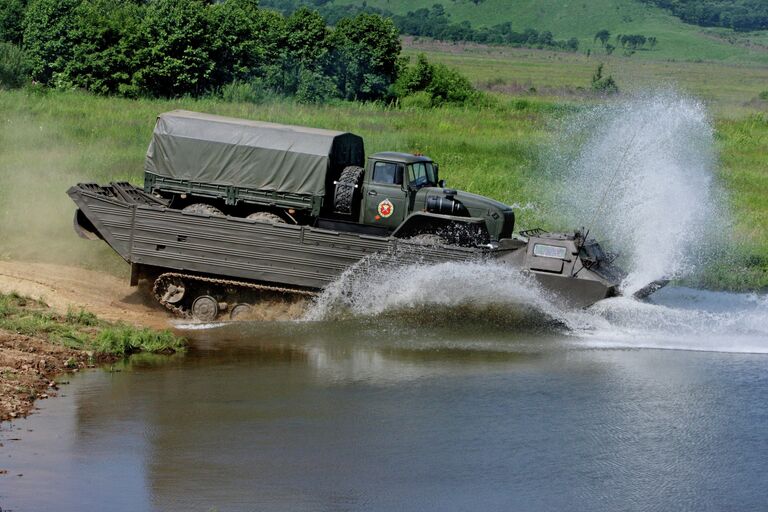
pixel 81 330
pixel 48 141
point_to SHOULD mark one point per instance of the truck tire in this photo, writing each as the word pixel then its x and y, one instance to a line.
pixel 266 217
pixel 203 209
pixel 347 189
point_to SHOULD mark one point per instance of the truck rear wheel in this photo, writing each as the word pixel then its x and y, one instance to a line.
pixel 347 189
pixel 266 217
pixel 203 209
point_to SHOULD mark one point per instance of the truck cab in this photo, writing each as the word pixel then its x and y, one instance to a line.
pixel 403 193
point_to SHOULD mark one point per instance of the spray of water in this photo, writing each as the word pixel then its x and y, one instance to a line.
pixel 398 284
pixel 640 174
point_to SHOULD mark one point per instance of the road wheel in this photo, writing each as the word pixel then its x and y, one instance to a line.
pixel 205 308
pixel 175 292
pixel 266 217
pixel 347 189
pixel 203 209
pixel 240 311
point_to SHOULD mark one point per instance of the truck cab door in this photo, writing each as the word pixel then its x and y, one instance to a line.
pixel 384 196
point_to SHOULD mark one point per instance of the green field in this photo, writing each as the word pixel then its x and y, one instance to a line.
pixel 730 90
pixel 49 141
pixel 583 19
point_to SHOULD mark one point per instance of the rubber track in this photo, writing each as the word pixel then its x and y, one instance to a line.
pixel 162 282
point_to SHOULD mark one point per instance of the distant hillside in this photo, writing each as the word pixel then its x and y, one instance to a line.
pixel 582 19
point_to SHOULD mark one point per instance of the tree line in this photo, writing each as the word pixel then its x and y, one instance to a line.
pixel 234 48
pixel 434 23
pixel 629 42
pixel 740 15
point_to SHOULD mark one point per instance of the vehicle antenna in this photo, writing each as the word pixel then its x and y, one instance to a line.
pixel 614 175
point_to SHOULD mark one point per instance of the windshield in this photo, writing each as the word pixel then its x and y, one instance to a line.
pixel 421 174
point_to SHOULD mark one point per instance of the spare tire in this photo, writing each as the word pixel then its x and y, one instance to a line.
pixel 203 209
pixel 347 190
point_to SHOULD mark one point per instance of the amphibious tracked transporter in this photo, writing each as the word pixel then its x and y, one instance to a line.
pixel 234 210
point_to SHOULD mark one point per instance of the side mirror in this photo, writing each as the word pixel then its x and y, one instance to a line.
pixel 399 175
pixel 441 183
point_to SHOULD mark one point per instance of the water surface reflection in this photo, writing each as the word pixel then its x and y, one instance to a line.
pixel 376 416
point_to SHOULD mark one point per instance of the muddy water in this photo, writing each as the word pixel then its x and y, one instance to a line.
pixel 383 414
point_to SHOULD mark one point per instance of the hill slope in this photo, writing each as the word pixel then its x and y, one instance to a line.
pixel 583 18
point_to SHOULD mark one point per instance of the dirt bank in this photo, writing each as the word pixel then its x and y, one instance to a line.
pixel 32 360
pixel 62 287
pixel 29 367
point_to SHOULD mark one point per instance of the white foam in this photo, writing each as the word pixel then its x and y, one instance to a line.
pixel 639 173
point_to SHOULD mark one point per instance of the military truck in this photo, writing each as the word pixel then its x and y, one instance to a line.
pixel 307 176
pixel 234 210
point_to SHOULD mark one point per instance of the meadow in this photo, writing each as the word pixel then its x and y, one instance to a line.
pixel 677 40
pixel 50 140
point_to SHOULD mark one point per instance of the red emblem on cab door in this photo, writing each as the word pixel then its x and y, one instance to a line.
pixel 386 208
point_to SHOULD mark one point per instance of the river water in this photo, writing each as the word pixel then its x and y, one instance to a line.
pixel 655 407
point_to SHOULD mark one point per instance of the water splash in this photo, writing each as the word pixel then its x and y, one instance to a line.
pixel 489 292
pixel 680 319
pixel 640 174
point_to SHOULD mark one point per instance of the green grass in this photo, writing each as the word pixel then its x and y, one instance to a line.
pixel 51 141
pixel 582 19
pixel 79 329
pixel 730 90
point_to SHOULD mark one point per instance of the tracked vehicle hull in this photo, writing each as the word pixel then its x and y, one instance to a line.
pixel 223 257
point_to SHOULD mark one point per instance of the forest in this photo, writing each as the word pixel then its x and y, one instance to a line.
pixel 233 48
pixel 740 15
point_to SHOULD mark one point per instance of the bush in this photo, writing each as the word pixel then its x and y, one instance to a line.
pixel 239 91
pixel 315 87
pixel 420 99
pixel 603 84
pixel 14 66
pixel 764 95
pixel 441 84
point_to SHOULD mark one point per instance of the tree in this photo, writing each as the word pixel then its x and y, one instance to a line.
pixel 367 48
pixel 47 26
pixel 603 36
pixel 304 62
pixel 12 21
pixel 247 39
pixel 104 46
pixel 177 49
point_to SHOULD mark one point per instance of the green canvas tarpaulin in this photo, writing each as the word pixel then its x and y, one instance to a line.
pixel 235 152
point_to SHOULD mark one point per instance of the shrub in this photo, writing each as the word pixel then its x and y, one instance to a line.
pixel 238 91
pixel 315 87
pixel 603 84
pixel 441 84
pixel 763 95
pixel 14 66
